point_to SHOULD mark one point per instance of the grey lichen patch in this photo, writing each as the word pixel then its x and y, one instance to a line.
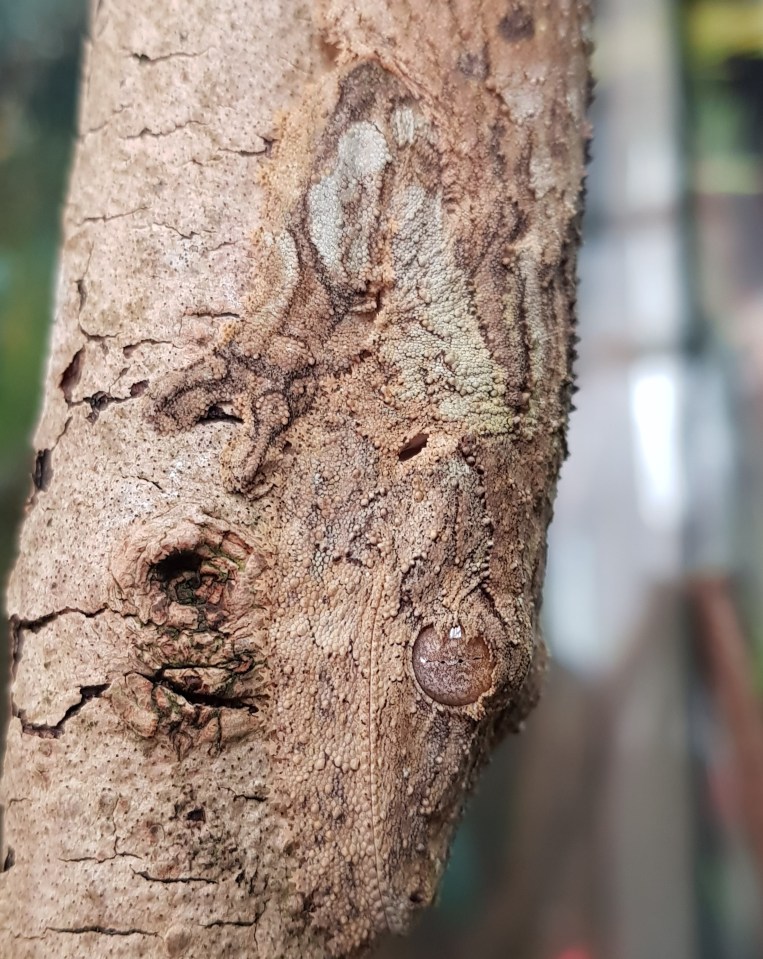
pixel 343 207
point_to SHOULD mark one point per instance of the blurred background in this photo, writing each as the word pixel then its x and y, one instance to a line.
pixel 627 821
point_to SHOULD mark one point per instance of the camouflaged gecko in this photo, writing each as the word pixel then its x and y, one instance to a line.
pixel 247 714
pixel 398 392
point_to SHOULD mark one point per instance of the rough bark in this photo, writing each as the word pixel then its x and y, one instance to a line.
pixel 279 579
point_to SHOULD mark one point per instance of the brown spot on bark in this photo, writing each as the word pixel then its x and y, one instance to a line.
pixel 517 25
pixel 473 65
pixel 331 51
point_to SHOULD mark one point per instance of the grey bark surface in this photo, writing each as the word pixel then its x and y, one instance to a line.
pixel 278 585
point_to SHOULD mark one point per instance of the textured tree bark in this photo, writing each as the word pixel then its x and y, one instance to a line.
pixel 279 578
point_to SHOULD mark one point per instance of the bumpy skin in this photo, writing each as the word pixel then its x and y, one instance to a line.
pixel 401 381
pixel 318 671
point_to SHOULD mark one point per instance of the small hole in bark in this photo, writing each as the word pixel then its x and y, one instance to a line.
pixel 139 388
pixel 71 374
pixel 177 565
pixel 196 815
pixel 413 447
pixel 199 577
pixel 17 644
pixel 220 411
pixel 180 577
pixel 43 470
pixel 416 898
pixel 82 292
pixel 10 859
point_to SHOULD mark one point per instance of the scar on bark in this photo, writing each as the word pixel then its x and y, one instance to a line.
pixel 195 681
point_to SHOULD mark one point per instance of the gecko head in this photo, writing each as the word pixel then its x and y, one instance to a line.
pixel 367 637
pixel 399 652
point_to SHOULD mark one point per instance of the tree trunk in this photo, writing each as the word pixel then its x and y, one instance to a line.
pixel 279 578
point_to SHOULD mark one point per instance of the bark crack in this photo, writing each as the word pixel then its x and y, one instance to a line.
pixel 102 126
pixel 101 931
pixel 146 132
pixel 96 337
pixel 249 797
pixel 99 859
pixel 182 879
pixel 42 473
pixel 99 400
pixel 238 151
pixel 34 625
pixel 144 58
pixel 229 922
pixel 146 341
pixel 145 479
pixel 196 698
pixel 46 731
pixel 214 314
pixel 174 229
pixel 108 217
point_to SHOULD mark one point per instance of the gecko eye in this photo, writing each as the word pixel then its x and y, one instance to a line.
pixel 455 669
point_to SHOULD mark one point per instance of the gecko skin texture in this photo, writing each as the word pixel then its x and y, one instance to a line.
pixel 395 396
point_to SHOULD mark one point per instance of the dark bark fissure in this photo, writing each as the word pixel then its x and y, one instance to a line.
pixel 160 679
pixel 181 879
pixel 45 731
pixel 102 931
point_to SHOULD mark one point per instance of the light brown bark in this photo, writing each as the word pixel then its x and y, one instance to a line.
pixel 279 579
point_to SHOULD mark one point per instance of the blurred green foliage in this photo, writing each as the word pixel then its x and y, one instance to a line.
pixel 39 56
pixel 723 44
pixel 718 29
pixel 724 61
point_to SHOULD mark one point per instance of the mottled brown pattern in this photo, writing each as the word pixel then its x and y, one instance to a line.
pixel 300 644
